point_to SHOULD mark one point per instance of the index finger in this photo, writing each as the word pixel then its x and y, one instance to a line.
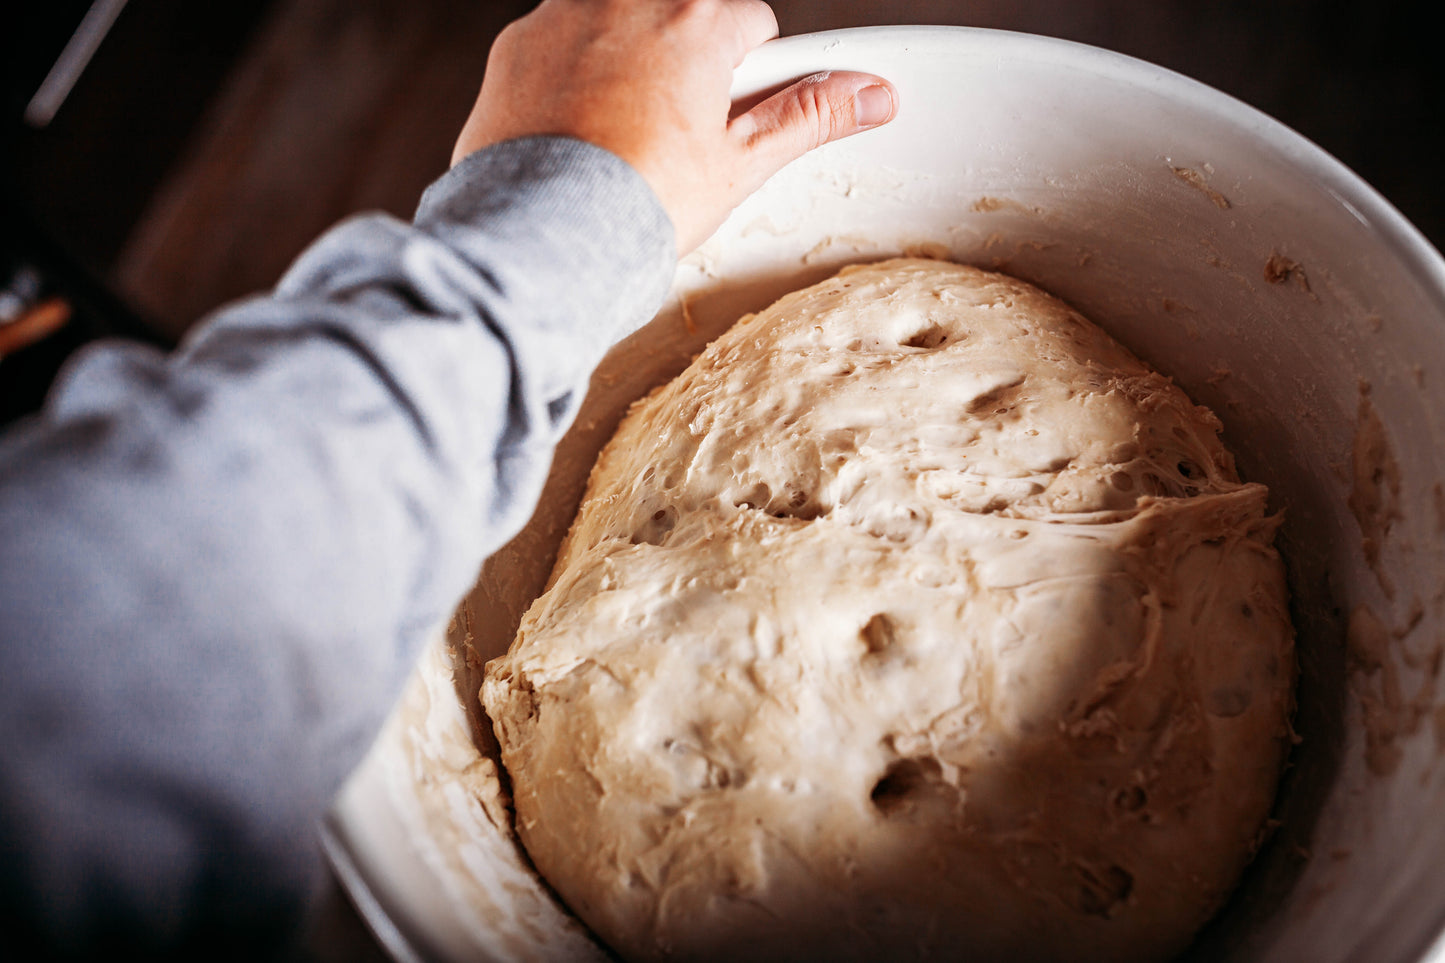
pixel 755 25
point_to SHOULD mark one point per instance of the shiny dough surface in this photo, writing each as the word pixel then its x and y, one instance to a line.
pixel 916 618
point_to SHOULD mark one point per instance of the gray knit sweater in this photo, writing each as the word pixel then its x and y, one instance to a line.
pixel 217 566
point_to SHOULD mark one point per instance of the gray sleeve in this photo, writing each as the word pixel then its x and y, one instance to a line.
pixel 217 566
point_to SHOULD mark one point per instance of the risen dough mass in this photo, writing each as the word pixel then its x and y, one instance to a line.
pixel 917 618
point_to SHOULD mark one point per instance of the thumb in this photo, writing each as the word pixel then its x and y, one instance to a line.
pixel 809 114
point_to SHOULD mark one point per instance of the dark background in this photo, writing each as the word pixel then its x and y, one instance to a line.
pixel 207 143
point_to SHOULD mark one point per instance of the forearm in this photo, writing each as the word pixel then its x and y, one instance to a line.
pixel 216 568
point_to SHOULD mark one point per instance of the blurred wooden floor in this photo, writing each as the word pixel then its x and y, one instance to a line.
pixel 349 105
pixel 340 106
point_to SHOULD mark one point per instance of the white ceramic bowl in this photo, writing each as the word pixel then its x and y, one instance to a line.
pixel 1269 281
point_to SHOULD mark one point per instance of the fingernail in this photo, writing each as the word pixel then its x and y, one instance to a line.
pixel 872 106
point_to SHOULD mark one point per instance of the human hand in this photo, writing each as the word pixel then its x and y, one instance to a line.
pixel 649 80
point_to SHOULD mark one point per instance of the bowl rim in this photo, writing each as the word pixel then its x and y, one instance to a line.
pixel 792 56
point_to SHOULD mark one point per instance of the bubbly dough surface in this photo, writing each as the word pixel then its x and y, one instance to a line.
pixel 917 618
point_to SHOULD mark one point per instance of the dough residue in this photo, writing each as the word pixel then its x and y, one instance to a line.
pixel 1199 182
pixel 1374 498
pixel 1279 269
pixel 917 618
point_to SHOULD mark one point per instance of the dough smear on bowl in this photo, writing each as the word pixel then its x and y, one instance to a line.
pixel 916 619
